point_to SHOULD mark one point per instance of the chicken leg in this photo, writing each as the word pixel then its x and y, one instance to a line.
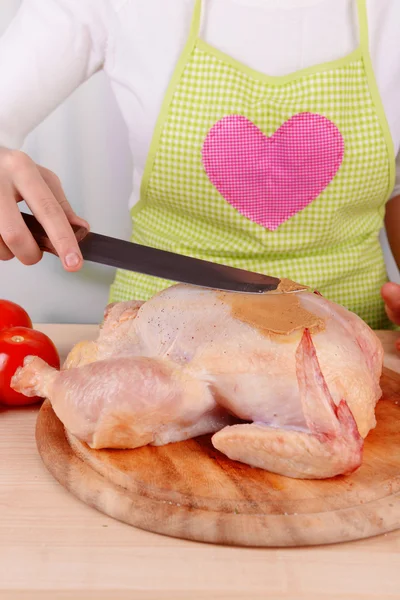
pixel 125 402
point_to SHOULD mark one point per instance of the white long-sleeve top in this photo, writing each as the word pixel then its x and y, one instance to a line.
pixel 52 46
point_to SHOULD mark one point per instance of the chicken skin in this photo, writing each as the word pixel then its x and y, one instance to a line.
pixel 284 382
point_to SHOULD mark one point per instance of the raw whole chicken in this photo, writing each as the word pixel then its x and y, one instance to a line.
pixel 286 382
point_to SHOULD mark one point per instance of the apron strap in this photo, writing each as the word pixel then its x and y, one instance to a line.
pixel 196 20
pixel 363 25
pixel 373 86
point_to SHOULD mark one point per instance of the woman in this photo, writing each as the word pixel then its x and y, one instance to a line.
pixel 264 134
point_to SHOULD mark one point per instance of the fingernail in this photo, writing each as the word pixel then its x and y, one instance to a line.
pixel 72 260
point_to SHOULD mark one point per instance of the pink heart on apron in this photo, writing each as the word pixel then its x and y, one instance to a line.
pixel 270 179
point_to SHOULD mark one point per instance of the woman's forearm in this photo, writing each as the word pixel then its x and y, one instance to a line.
pixel 392 222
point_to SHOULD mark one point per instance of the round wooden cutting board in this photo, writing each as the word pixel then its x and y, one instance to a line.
pixel 189 490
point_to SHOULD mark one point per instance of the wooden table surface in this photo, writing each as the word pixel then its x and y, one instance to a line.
pixel 54 547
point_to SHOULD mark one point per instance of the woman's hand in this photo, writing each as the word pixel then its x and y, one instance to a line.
pixel 391 296
pixel 391 291
pixel 22 179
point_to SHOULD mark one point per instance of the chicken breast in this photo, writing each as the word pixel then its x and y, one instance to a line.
pixel 285 382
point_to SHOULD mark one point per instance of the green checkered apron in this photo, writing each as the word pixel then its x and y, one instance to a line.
pixel 286 176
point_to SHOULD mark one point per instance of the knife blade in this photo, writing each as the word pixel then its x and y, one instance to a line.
pixel 129 256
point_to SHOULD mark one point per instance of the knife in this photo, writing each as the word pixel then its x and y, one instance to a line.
pixel 158 263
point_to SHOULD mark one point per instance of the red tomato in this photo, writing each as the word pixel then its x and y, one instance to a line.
pixel 15 344
pixel 12 315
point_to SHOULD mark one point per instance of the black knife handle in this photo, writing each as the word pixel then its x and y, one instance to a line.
pixel 41 237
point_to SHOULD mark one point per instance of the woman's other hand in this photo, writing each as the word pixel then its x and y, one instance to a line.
pixel 391 296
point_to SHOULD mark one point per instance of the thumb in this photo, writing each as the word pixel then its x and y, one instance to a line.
pixel 391 295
